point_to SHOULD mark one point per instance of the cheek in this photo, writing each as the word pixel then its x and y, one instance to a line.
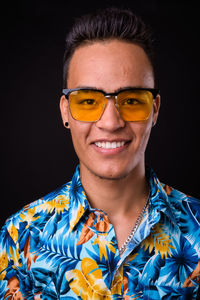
pixel 77 140
pixel 145 133
pixel 77 135
pixel 79 132
pixel 141 132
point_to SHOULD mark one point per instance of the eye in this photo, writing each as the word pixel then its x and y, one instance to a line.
pixel 88 101
pixel 131 101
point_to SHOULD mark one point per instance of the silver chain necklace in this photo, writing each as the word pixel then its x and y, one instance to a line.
pixel 137 223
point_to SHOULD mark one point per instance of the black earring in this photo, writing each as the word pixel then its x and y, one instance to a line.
pixel 66 124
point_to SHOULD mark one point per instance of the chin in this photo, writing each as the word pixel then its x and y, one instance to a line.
pixel 111 172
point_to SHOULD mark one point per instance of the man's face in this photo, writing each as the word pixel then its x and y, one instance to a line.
pixel 110 66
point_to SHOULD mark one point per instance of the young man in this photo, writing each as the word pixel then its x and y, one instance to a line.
pixel 114 231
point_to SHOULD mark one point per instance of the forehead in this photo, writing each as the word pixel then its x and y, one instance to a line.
pixel 109 65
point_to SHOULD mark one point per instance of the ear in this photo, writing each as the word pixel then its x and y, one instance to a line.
pixel 64 109
pixel 156 108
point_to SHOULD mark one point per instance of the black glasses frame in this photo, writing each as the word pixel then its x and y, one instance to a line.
pixel 67 92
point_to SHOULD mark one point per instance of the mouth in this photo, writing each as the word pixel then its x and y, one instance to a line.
pixel 110 145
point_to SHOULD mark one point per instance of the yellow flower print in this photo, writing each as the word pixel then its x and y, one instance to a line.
pixel 13 233
pixel 3 265
pixel 88 282
pixel 15 256
pixel 132 257
pixel 159 241
pixel 60 203
pixel 84 194
pixel 129 259
pixel 101 241
pixel 29 216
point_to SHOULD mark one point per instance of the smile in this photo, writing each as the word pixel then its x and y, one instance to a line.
pixel 110 145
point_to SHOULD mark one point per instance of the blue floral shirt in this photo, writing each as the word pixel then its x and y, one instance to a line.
pixel 60 248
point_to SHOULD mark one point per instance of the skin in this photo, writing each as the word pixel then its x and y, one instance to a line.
pixel 109 66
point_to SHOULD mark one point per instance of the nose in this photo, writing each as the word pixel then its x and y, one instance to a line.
pixel 110 119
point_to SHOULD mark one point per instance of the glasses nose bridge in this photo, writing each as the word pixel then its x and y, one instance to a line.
pixel 112 96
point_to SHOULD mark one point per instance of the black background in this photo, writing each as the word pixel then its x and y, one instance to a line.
pixel 36 150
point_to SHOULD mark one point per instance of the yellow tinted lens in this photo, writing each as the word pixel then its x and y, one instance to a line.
pixel 86 105
pixel 135 105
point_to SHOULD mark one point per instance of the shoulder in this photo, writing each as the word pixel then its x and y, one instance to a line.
pixel 186 210
pixel 178 199
pixel 179 207
pixel 36 214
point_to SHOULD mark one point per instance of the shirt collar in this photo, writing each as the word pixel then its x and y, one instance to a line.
pixel 78 200
pixel 158 199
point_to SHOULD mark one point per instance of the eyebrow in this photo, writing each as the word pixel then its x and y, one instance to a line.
pixel 116 91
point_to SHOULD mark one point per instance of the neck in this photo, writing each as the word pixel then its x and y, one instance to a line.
pixel 118 197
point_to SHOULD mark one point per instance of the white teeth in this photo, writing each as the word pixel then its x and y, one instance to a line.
pixel 118 144
pixel 108 145
pixel 114 145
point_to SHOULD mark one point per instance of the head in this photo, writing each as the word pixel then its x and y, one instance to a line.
pixel 104 25
pixel 109 50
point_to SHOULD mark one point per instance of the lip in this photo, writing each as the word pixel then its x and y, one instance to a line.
pixel 111 140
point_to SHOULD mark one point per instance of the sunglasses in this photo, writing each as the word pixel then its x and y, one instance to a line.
pixel 88 105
